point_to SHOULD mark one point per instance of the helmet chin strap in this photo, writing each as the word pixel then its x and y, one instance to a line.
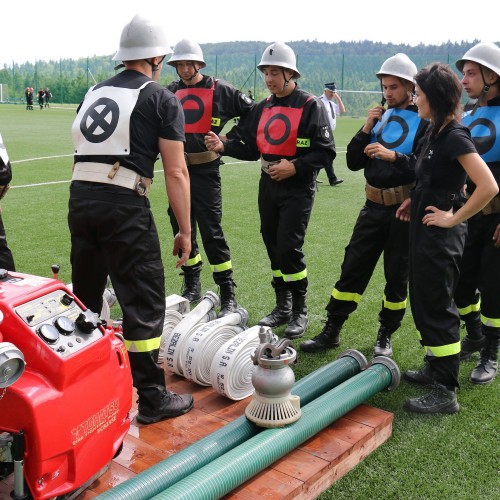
pixel 154 67
pixel 485 90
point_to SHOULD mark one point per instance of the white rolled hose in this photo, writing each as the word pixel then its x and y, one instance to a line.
pixel 202 345
pixel 201 314
pixel 176 307
pixel 232 366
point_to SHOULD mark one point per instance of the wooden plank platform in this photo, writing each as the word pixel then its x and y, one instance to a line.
pixel 302 474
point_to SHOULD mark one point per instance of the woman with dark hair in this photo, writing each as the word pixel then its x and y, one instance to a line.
pixel 437 233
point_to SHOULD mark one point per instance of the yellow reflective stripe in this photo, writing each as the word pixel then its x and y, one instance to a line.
pixel 347 296
pixel 224 266
pixel 193 261
pixel 494 322
pixel 303 143
pixel 277 273
pixel 470 308
pixel 443 350
pixel 143 345
pixel 296 276
pixel 215 122
pixel 394 306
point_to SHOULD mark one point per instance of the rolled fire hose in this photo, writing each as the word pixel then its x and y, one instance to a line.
pixel 201 347
pixel 203 312
pixel 164 474
pixel 222 475
pixel 176 307
pixel 232 366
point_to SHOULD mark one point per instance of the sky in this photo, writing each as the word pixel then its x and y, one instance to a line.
pixel 67 29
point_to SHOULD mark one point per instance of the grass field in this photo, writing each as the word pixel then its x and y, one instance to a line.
pixel 428 457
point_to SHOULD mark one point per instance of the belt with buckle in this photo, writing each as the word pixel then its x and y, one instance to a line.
pixel 388 196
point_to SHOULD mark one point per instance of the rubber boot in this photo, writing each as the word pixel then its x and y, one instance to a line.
pixel 474 340
pixel 191 289
pixel 328 338
pixel 300 320
pixel 487 368
pixel 383 346
pixel 441 399
pixel 282 313
pixel 227 300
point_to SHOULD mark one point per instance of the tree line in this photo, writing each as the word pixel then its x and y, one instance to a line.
pixel 352 65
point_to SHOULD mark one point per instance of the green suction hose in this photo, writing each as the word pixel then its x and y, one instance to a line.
pixel 224 474
pixel 164 474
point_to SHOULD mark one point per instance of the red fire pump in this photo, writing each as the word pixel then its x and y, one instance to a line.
pixel 65 389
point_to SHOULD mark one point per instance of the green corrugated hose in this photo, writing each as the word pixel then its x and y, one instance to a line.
pixel 224 474
pixel 164 474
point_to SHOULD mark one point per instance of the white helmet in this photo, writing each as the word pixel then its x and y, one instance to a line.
pixel 279 54
pixel 486 54
pixel 187 50
pixel 142 38
pixel 399 65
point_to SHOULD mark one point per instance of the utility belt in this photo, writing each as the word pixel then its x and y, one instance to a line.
pixel 493 206
pixel 388 196
pixel 116 174
pixel 200 158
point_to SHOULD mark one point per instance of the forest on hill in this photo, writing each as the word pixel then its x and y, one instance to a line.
pixel 352 65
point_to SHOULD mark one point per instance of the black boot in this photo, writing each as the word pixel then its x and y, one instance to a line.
pixel 487 368
pixel 474 340
pixel 227 300
pixel 155 405
pixel 423 376
pixel 327 339
pixel 191 289
pixel 282 313
pixel 441 399
pixel 300 320
pixel 383 345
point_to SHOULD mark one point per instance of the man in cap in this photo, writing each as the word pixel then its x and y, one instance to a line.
pixel 208 103
pixel 334 106
pixel 381 148
pixel 290 133
pixel 478 292
pixel 122 126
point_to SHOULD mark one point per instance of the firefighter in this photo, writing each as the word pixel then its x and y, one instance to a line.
pixel 478 291
pixel 381 148
pixel 208 103
pixel 121 127
pixel 437 233
pixel 289 131
pixel 6 257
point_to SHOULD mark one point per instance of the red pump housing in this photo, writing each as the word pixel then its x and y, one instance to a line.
pixel 73 399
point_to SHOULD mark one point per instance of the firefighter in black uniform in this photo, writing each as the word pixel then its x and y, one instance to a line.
pixel 291 134
pixel 208 104
pixel 121 126
pixel 381 148
pixel 478 291
pixel 437 233
pixel 6 257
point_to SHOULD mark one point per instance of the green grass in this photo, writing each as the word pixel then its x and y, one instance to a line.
pixel 427 457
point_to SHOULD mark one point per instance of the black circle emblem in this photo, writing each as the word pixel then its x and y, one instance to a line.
pixel 275 141
pixel 485 142
pixel 100 120
pixel 404 132
pixel 193 109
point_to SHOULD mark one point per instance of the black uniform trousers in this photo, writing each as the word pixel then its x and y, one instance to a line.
pixel 435 256
pixel 113 233
pixel 377 231
pixel 480 269
pixel 6 258
pixel 206 214
pixel 285 209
